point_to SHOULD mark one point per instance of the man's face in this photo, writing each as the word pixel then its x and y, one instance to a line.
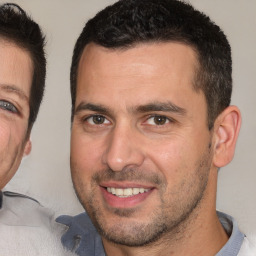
pixel 15 82
pixel 140 149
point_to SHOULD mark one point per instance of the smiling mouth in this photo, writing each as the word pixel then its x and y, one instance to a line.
pixel 126 192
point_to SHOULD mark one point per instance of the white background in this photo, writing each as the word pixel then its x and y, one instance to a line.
pixel 45 173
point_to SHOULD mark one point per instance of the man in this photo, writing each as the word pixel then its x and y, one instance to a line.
pixel 151 126
pixel 26 227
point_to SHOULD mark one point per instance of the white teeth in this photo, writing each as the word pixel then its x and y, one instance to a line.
pixel 126 192
pixel 135 191
pixel 119 192
pixel 141 190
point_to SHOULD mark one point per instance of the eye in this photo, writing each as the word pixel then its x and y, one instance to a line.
pixel 8 106
pixel 158 120
pixel 97 120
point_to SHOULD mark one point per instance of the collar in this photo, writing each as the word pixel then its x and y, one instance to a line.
pixel 236 238
pixel 1 199
pixel 81 236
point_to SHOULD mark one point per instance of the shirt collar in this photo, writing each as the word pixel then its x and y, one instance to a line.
pixel 1 199
pixel 81 236
pixel 234 243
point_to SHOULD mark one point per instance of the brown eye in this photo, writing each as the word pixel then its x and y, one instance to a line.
pixel 160 120
pixel 98 119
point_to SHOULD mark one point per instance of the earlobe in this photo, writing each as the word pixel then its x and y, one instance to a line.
pixel 27 148
pixel 226 127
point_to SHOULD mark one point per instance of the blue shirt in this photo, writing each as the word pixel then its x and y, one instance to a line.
pixel 83 238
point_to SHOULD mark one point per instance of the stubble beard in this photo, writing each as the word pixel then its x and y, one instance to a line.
pixel 170 219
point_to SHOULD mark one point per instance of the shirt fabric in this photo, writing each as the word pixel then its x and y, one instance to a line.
pixel 82 237
pixel 236 238
pixel 27 228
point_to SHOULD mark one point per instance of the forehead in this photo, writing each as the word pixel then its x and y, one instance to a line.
pixel 147 71
pixel 16 68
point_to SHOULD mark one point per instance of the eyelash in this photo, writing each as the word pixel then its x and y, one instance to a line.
pixel 86 119
pixel 166 119
pixel 5 105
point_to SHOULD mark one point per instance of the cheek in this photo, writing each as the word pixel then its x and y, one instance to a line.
pixel 86 154
pixel 85 161
pixel 12 131
pixel 11 151
pixel 173 158
pixel 5 135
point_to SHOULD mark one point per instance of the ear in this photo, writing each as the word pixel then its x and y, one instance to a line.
pixel 28 147
pixel 226 130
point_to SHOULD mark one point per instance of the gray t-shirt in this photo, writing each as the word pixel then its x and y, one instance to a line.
pixel 82 237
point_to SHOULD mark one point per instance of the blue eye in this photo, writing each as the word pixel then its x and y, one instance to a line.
pixel 8 106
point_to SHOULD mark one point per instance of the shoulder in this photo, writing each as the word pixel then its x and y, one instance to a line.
pixel 80 235
pixel 249 246
pixel 28 228
pixel 18 209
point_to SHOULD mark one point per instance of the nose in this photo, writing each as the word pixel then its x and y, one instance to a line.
pixel 123 149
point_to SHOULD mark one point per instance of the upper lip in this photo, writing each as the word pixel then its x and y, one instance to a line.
pixel 123 185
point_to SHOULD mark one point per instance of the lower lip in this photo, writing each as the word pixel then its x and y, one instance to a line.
pixel 124 202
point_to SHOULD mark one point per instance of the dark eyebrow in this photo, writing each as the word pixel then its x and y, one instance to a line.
pixel 160 106
pixel 151 107
pixel 93 107
pixel 14 89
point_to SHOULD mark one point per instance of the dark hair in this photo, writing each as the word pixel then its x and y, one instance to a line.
pixel 18 28
pixel 130 22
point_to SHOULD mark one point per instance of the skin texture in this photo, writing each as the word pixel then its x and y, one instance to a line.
pixel 139 123
pixel 15 82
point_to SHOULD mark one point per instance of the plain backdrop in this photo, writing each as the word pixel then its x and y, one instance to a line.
pixel 45 173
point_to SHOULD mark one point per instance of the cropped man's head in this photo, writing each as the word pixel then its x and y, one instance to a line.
pixel 151 122
pixel 17 28
pixel 22 81
pixel 128 23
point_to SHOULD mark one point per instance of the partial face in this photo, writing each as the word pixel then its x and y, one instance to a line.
pixel 140 147
pixel 15 82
